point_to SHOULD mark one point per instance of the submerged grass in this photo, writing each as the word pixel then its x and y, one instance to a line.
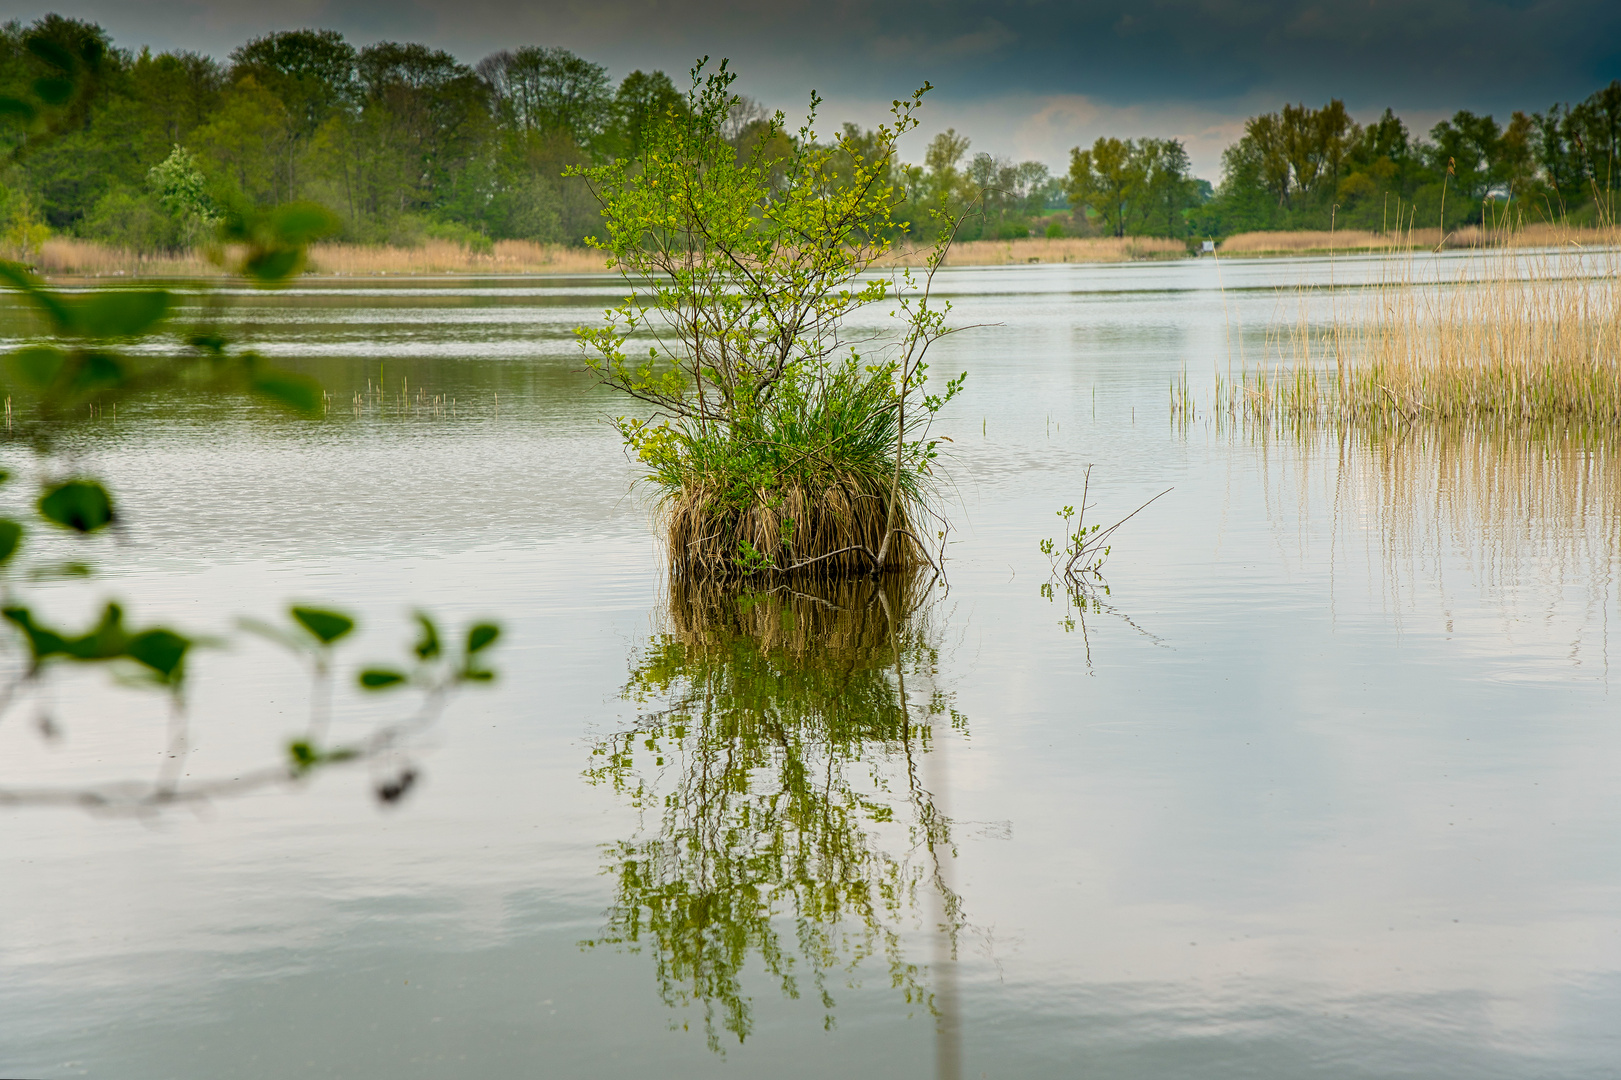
pixel 1504 338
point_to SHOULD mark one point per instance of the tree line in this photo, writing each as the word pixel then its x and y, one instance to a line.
pixel 404 142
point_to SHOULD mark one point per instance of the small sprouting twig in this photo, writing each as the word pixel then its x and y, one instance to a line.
pixel 1086 548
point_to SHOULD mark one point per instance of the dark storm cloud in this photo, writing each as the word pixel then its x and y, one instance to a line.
pixel 1519 53
pixel 1028 78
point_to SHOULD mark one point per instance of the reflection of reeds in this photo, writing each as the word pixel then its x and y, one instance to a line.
pixel 1509 338
pixel 819 620
pixel 1533 522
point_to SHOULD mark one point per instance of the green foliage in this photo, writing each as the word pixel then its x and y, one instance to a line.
pixel 1136 188
pixel 325 626
pixel 743 265
pixel 81 505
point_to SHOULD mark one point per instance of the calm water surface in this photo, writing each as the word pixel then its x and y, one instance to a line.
pixel 1326 784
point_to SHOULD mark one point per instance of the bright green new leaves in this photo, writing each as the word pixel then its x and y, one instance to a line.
pixel 81 505
pixel 748 258
pixel 428 650
pixel 325 626
pixel 161 651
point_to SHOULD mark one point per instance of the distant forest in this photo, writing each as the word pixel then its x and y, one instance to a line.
pixel 404 143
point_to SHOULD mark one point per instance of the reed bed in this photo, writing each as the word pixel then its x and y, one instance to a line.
pixel 1098 249
pixel 1469 237
pixel 448 257
pixel 67 257
pixel 1508 338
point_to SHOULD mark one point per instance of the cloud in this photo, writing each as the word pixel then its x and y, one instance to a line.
pixel 1187 68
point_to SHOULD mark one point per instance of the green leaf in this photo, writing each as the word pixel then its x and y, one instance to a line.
pixel 161 650
pixel 42 642
pixel 98 372
pixel 37 365
pixel 380 678
pixel 327 626
pixel 303 755
pixel 299 393
pixel 271 266
pixel 427 646
pixel 478 675
pixel 103 642
pixel 53 90
pixel 296 224
pixel 81 505
pixel 481 637
pixel 122 312
pixel 10 106
pixel 11 537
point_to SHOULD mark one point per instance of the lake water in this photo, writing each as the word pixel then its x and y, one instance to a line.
pixel 1327 782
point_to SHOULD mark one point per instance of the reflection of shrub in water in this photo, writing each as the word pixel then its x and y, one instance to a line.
pixel 780 764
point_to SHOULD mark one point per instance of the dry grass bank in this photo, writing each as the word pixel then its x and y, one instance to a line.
pixel 66 257
pixel 1467 238
pixel 82 258
pixel 1510 337
pixel 1099 249
pixel 447 257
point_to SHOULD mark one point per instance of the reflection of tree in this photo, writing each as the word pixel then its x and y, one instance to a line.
pixel 779 767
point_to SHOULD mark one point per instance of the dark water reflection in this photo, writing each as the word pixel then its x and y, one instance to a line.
pixel 786 818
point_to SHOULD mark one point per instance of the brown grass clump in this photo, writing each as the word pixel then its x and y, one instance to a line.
pixel 1508 337
pixel 794 529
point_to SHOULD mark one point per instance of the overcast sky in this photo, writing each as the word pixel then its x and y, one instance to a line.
pixel 1022 78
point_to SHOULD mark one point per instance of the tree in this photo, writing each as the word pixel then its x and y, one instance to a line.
pixel 641 100
pixel 1107 178
pixel 782 447
pixel 550 92
pixel 1466 149
pixel 182 190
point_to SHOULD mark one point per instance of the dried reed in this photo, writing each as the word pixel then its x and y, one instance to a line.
pixel 447 257
pixel 826 526
pixel 1505 337
pixel 1040 250
pixel 82 258
pixel 1470 237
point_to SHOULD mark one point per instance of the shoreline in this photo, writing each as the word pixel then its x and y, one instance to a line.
pixel 69 259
